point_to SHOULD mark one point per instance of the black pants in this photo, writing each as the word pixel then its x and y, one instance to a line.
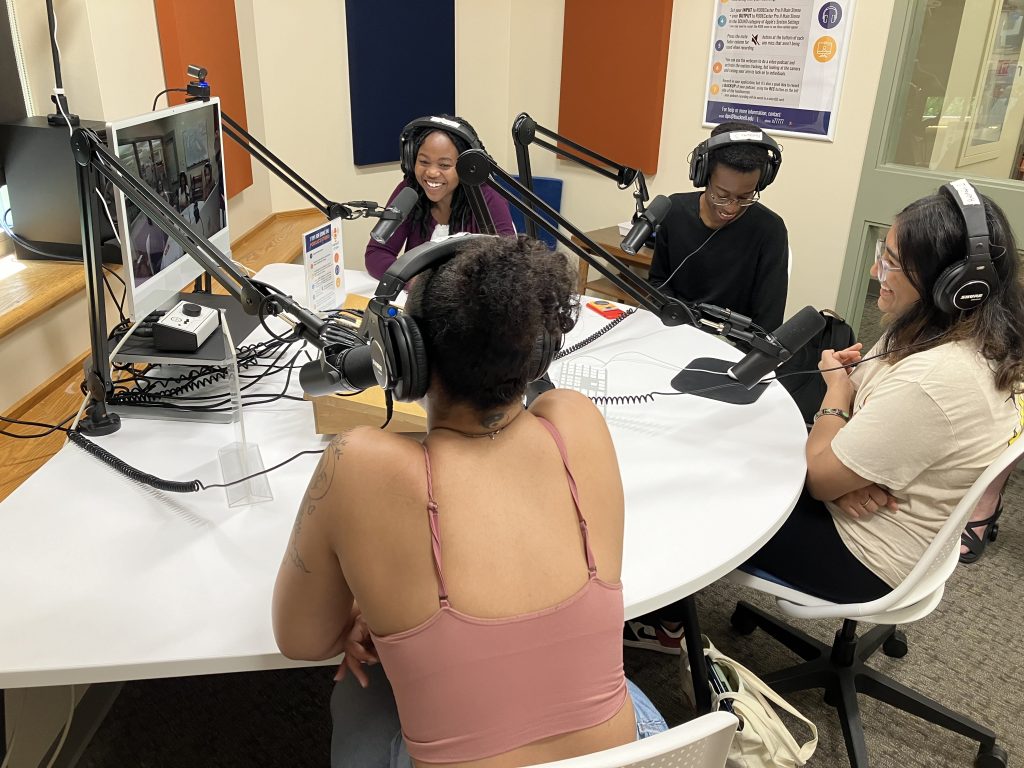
pixel 808 554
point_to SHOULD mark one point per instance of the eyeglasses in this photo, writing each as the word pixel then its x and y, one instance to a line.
pixel 742 202
pixel 882 263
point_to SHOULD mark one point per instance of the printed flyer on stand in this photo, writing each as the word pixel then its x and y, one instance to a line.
pixel 778 64
pixel 324 267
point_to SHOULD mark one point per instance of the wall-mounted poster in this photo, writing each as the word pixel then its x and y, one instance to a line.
pixel 779 64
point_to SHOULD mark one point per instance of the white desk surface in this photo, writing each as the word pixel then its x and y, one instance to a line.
pixel 103 579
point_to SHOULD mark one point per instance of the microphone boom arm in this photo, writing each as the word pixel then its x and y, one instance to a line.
pixel 524 133
pixel 475 166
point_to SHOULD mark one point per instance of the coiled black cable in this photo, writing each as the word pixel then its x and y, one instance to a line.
pixel 623 399
pixel 87 445
pixel 594 336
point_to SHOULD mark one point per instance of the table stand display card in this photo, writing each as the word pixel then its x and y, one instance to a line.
pixel 240 460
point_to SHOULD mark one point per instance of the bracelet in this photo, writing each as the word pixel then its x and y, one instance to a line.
pixel 832 412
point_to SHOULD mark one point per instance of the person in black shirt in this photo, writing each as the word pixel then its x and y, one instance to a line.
pixel 721 246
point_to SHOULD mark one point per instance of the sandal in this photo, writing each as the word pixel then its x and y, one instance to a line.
pixel 976 544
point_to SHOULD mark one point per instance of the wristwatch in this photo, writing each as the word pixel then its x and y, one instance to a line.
pixel 832 412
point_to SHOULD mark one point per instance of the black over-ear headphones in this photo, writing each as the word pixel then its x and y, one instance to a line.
pixel 700 158
pixel 968 282
pixel 397 349
pixel 407 138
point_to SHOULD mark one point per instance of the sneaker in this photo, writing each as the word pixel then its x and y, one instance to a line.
pixel 636 634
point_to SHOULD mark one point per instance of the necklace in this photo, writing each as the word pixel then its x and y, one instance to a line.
pixel 491 435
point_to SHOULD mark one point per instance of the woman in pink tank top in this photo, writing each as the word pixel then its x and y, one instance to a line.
pixel 480 566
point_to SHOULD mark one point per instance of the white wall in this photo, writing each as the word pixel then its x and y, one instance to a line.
pixel 817 186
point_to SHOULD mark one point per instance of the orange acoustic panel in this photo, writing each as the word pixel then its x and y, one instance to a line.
pixel 614 61
pixel 206 34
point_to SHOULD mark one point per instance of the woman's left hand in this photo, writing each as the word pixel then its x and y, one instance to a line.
pixel 358 651
pixel 866 501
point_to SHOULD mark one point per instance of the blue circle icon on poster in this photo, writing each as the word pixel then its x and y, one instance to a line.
pixel 830 15
pixel 719 45
pixel 721 21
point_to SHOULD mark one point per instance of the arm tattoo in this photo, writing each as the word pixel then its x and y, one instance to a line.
pixel 323 478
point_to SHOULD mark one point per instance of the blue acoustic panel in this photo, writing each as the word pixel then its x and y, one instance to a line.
pixel 401 65
pixel 549 190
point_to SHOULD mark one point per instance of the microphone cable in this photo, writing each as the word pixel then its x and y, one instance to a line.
pixel 686 258
pixel 594 336
pixel 649 396
pixel 171 486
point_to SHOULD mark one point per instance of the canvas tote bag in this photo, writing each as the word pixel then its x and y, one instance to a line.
pixel 762 740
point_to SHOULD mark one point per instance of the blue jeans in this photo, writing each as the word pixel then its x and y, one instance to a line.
pixel 367 732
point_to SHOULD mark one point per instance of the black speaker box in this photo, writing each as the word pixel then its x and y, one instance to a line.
pixel 39 168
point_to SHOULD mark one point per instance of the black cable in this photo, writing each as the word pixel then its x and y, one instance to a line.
pixel 166 90
pixel 50 428
pixel 257 474
pixel 172 486
pixel 862 360
pixel 129 471
pixel 594 336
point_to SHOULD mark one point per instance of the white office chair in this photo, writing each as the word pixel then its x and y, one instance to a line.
pixel 700 743
pixel 841 668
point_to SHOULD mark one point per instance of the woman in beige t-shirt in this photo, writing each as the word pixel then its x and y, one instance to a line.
pixel 901 437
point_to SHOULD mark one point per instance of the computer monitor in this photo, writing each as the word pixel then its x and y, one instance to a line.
pixel 177 153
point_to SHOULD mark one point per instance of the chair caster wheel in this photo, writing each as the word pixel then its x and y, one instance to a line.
pixel 831 696
pixel 996 758
pixel 742 621
pixel 896 645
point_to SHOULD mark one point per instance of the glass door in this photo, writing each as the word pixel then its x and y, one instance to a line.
pixel 950 104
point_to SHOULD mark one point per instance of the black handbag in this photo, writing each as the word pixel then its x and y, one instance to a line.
pixel 805 385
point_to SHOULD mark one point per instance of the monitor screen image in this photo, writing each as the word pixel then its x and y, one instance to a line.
pixel 177 153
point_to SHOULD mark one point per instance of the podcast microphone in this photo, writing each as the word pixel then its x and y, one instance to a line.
pixel 392 216
pixel 645 224
pixel 792 335
pixel 741 383
pixel 340 368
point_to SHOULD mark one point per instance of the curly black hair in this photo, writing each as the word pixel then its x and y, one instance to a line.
pixel 740 157
pixel 482 312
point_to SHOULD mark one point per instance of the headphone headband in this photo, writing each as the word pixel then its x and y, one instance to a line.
pixel 969 281
pixel 700 158
pixel 759 138
pixel 407 149
pixel 419 259
pixel 972 210
pixel 398 353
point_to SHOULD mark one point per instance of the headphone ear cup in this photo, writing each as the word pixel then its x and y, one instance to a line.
pixel 947 285
pixel 413 377
pixel 698 166
pixel 767 173
pixel 544 350
pixel 404 150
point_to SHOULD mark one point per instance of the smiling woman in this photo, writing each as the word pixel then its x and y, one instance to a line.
pixel 429 149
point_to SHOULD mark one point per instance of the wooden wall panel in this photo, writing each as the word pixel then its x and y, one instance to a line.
pixel 211 43
pixel 614 63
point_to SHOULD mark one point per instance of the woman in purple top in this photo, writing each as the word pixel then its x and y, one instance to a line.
pixel 430 146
